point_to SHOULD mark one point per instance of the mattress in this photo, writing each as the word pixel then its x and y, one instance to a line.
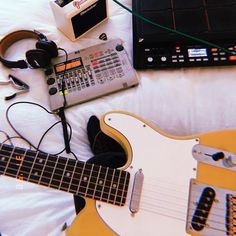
pixel 180 102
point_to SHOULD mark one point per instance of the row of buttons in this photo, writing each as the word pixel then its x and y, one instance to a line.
pixel 198 59
pixel 181 59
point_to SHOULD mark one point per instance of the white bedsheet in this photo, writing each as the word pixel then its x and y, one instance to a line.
pixel 178 101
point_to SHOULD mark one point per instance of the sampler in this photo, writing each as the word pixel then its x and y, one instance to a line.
pixel 208 20
pixel 90 73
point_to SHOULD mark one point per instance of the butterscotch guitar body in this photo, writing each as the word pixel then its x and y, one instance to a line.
pixel 161 167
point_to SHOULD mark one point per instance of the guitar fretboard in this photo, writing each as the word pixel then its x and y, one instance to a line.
pixel 89 180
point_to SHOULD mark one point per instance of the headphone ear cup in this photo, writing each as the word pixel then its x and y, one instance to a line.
pixel 49 46
pixel 38 58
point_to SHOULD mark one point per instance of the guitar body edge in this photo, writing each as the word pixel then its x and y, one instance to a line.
pixel 88 223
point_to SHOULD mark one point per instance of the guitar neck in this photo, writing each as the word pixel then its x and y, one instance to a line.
pixel 85 179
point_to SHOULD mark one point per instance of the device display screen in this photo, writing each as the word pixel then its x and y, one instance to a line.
pixel 68 65
pixel 197 52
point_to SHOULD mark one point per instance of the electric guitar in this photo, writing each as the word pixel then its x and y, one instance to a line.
pixel 170 186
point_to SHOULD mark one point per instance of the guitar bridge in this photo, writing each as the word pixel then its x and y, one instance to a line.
pixel 230 219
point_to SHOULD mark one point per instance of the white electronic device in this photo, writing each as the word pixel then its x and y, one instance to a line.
pixel 78 17
pixel 89 73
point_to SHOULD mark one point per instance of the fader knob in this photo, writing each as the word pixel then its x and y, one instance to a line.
pixel 51 81
pixel 119 47
pixel 150 59
pixel 52 91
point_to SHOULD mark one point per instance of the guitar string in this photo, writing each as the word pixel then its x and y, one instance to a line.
pixel 127 199
pixel 184 207
pixel 64 189
pixel 40 164
pixel 43 158
pixel 54 162
pixel 182 217
pixel 165 204
pixel 69 171
pixel 61 177
pixel 49 161
pixel 75 178
pixel 150 206
pixel 157 212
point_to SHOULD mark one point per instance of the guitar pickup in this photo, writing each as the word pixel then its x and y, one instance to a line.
pixel 202 210
pixel 211 210
pixel 215 157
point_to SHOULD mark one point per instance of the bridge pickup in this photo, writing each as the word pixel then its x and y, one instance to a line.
pixel 215 157
pixel 202 211
pixel 211 210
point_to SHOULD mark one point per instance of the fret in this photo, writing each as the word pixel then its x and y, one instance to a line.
pixel 84 180
pixel 49 165
pixel 58 172
pixel 112 186
pixel 97 181
pixel 78 172
pixel 125 188
pixel 72 176
pixel 63 174
pixel 117 188
pixel 19 156
pixel 4 158
pixel 112 190
pixel 25 163
pixel 34 157
pixel 37 168
pixel 68 174
pixel 80 179
pixel 103 194
pixel 91 182
pixel 54 169
pixel 43 162
pixel 99 186
pixel 6 150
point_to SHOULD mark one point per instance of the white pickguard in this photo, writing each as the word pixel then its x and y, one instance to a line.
pixel 167 165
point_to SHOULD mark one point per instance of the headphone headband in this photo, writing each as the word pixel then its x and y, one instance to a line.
pixel 13 37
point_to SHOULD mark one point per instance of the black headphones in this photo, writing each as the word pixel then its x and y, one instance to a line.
pixel 35 58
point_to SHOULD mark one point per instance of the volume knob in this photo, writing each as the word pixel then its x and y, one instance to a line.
pixel 163 58
pixel 52 91
pixel 119 47
pixel 150 59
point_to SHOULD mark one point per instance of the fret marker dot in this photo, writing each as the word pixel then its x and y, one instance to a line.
pixel 68 174
pixel 114 185
pixel 3 158
pixel 40 160
pixel 85 178
pixel 36 173
pixel 100 182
